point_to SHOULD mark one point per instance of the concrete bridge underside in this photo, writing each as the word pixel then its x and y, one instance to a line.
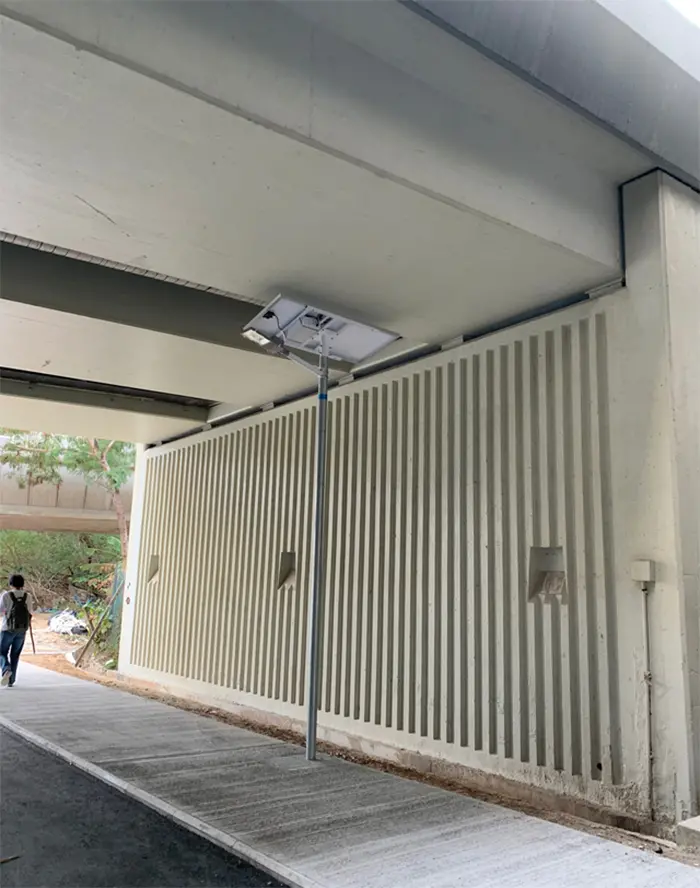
pixel 340 150
pixel 71 506
pixel 510 187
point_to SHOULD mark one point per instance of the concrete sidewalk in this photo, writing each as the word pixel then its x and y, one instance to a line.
pixel 65 829
pixel 329 824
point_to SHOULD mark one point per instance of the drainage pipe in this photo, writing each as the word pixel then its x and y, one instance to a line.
pixel 646 588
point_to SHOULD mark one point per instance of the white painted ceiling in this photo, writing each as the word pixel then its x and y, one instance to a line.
pixel 102 159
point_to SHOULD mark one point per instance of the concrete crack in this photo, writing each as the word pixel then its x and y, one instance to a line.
pixel 94 209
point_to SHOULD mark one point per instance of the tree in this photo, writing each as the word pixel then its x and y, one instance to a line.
pixel 53 563
pixel 35 458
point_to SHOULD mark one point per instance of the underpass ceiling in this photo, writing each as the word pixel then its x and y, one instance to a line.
pixel 99 158
pixel 76 419
pixel 157 178
pixel 84 348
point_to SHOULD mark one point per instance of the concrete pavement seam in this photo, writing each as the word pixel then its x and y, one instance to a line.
pixel 187 821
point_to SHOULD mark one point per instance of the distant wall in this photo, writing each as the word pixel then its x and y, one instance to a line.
pixel 71 506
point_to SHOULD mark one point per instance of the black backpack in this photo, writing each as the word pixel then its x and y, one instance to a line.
pixel 19 616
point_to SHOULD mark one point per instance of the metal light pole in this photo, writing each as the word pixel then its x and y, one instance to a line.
pixel 312 664
pixel 292 329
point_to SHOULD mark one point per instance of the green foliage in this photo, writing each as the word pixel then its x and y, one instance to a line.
pixel 34 458
pixel 52 562
pixel 91 612
pixel 37 458
pixel 96 576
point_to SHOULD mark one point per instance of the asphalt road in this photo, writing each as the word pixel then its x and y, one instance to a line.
pixel 72 830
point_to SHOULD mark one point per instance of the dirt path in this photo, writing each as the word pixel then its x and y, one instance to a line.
pixel 51 650
pixel 48 642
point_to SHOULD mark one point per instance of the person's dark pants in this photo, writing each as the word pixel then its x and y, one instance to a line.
pixel 11 644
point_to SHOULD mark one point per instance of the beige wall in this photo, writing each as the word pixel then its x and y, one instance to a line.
pixel 443 475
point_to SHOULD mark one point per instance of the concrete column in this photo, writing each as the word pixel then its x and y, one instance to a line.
pixel 658 437
pixel 681 241
pixel 132 560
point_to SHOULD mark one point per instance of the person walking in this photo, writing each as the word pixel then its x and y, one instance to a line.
pixel 16 613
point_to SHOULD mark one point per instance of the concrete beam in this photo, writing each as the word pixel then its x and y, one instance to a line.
pixel 631 67
pixel 21 384
pixel 51 280
pixel 46 519
pixel 48 280
pixel 355 82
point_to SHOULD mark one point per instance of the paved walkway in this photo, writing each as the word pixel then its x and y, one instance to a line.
pixel 60 827
pixel 329 824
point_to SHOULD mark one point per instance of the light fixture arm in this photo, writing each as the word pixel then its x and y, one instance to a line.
pixel 307 365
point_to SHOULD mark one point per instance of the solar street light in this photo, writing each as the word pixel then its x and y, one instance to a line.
pixel 300 332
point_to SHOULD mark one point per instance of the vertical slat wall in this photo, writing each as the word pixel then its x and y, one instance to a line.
pixel 442 476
